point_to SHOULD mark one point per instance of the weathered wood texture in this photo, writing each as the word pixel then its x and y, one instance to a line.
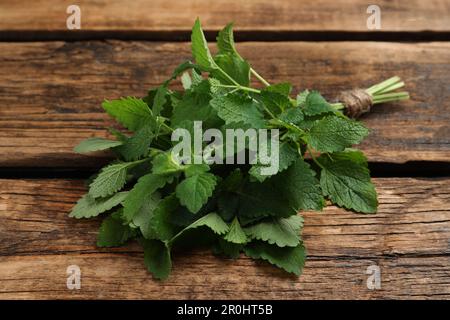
pixel 408 239
pixel 250 15
pixel 51 92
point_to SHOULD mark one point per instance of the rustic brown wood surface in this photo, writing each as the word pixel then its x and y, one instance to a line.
pixel 50 96
pixel 407 239
pixel 250 15
pixel 51 92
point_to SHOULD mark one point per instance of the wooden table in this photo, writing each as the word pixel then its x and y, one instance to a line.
pixel 52 81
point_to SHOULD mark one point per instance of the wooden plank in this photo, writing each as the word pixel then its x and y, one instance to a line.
pixel 408 239
pixel 51 92
pixel 252 15
pixel 199 276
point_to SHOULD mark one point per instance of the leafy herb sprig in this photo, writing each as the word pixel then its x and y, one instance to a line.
pixel 165 205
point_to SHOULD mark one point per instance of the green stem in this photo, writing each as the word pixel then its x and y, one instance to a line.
pixel 338 106
pixel 314 158
pixel 389 97
pixel 258 76
pixel 239 87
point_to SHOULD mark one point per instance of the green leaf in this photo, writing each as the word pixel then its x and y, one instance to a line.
pixel 234 108
pixel 141 192
pixel 315 104
pixel 287 155
pixel 282 195
pixel 291 259
pixel 113 233
pixel 195 106
pixel 212 220
pixel 335 134
pixel 301 187
pixel 225 40
pixel 160 100
pixel 236 234
pixel 195 169
pixel 301 98
pixel 163 228
pixel 275 101
pixel 111 179
pixel 353 155
pixel 88 207
pixel 200 49
pixel 164 164
pixel 186 81
pixel 280 231
pixel 237 68
pixel 195 190
pixel 95 144
pixel 157 258
pixel 131 112
pixel 347 184
pixel 143 219
pixel 229 249
pixel 137 145
pixel 292 115
pixel 283 88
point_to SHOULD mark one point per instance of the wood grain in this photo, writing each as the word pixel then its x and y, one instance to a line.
pixel 408 238
pixel 250 15
pixel 51 92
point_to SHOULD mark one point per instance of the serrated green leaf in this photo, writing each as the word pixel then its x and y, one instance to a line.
pixel 157 258
pixel 291 259
pixel 347 184
pixel 137 145
pixel 88 207
pixel 200 50
pixel 237 68
pixel 141 192
pixel 212 220
pixel 143 218
pixel 164 164
pixel 195 106
pixel 186 81
pixel 287 155
pixel 160 100
pixel 238 109
pixel 334 133
pixel 301 98
pixel 353 155
pixel 315 104
pixel 225 40
pixel 235 233
pixel 282 195
pixel 163 228
pixel 283 88
pixel 195 169
pixel 274 100
pixel 292 115
pixel 111 179
pixel 229 249
pixel 113 232
pixel 95 144
pixel 131 112
pixel 301 187
pixel 280 231
pixel 195 190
